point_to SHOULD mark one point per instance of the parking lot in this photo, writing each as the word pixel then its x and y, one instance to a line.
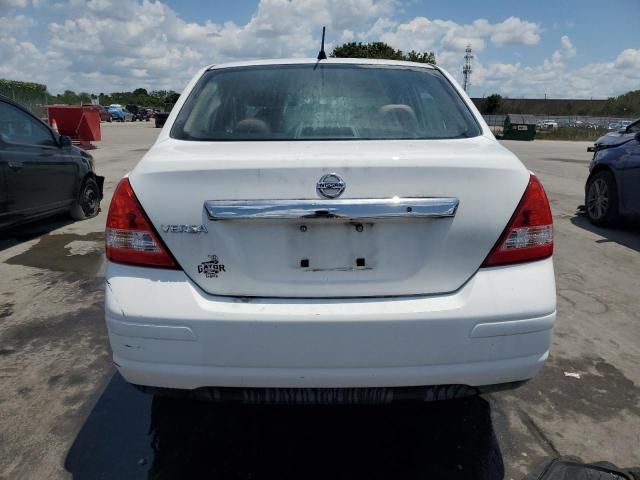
pixel 64 412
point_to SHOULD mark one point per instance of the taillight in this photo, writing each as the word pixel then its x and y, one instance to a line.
pixel 130 238
pixel 529 233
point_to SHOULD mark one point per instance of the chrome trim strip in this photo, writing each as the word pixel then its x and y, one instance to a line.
pixel 345 209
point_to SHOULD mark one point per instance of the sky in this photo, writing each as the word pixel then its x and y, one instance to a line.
pixel 522 49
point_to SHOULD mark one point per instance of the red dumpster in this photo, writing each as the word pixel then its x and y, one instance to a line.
pixel 82 124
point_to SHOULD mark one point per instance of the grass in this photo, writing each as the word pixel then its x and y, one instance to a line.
pixel 571 133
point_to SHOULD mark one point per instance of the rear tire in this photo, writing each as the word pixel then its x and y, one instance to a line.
pixel 88 203
pixel 601 199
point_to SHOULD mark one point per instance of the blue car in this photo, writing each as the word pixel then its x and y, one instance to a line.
pixel 613 187
pixel 120 114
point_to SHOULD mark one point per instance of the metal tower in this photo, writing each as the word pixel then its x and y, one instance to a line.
pixel 467 69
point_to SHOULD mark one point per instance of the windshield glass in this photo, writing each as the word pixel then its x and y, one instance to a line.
pixel 323 102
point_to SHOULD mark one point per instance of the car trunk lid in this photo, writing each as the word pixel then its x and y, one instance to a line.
pixel 381 237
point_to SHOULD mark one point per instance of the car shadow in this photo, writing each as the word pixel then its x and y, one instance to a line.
pixel 132 435
pixel 17 235
pixel 626 233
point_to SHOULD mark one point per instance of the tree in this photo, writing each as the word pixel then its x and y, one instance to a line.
pixel 627 104
pixel 104 99
pixel 84 98
pixel 492 104
pixel 380 50
pixel 139 96
pixel 421 57
pixel 172 97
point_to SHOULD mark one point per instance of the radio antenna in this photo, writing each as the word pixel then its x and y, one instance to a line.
pixel 321 54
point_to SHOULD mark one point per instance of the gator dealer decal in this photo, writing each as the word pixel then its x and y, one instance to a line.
pixel 211 268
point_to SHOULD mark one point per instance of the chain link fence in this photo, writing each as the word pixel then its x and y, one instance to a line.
pixel 33 96
pixel 551 122
pixel 565 127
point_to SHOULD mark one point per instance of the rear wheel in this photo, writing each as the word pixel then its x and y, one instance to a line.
pixel 601 199
pixel 88 203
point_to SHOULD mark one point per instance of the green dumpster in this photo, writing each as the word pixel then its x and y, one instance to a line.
pixel 519 127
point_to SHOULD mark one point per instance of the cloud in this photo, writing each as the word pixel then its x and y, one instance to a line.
pixel 422 33
pixel 567 45
pixel 130 43
pixel 13 3
pixel 112 45
pixel 594 80
pixel 21 58
pixel 629 59
pixel 567 50
pixel 15 24
pixel 514 31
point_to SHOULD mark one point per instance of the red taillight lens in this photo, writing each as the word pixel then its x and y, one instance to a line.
pixel 130 238
pixel 529 234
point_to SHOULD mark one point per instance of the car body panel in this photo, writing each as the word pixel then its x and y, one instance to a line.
pixel 623 135
pixel 4 197
pixel 46 178
pixel 189 339
pixel 613 140
pixel 402 256
pixel 630 178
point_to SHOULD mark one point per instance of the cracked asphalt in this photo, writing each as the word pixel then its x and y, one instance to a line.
pixel 65 413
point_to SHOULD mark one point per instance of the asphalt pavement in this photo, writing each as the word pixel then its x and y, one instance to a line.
pixel 66 413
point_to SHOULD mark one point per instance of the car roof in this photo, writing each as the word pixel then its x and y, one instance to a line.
pixel 302 61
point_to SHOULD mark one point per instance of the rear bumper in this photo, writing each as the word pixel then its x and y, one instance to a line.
pixel 165 332
pixel 328 396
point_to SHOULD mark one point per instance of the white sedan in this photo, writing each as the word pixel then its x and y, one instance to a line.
pixel 344 230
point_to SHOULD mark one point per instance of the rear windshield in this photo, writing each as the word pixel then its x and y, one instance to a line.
pixel 323 102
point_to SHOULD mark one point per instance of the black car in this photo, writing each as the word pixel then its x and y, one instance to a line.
pixel 613 187
pixel 139 113
pixel 160 119
pixel 41 172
